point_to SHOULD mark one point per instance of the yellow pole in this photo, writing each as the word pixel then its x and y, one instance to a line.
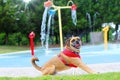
pixel 105 29
pixel 60 28
pixel 60 23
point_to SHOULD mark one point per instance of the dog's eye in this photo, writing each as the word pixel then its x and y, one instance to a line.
pixel 73 40
pixel 78 39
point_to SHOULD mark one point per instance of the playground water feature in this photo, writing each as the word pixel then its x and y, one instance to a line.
pixel 51 9
pixel 91 54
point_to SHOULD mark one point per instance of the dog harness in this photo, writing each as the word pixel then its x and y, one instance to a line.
pixel 69 53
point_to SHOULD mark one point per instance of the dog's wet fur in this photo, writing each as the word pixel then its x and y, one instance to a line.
pixel 55 64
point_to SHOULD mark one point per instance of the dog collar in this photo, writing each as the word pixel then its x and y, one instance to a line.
pixel 70 53
pixel 77 51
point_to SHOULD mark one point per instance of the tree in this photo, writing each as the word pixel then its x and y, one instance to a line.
pixel 15 17
pixel 7 18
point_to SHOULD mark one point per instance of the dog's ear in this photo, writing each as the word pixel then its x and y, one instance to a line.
pixel 67 42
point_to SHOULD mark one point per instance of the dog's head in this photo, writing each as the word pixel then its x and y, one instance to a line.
pixel 73 43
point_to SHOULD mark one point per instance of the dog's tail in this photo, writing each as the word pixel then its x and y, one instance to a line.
pixel 34 64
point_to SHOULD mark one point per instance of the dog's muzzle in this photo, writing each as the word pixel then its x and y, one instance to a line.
pixel 76 43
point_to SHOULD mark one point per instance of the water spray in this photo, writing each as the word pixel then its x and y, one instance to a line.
pixel 47 5
pixel 51 15
pixel 73 14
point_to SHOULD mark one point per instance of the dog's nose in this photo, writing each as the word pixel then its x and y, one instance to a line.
pixel 77 42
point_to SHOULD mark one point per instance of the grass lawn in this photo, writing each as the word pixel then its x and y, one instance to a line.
pixel 105 76
pixel 7 49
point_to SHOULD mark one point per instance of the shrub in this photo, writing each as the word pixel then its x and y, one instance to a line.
pixel 14 39
pixel 19 39
pixel 2 38
pixel 24 41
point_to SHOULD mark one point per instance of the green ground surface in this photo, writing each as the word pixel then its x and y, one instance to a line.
pixel 8 49
pixel 105 76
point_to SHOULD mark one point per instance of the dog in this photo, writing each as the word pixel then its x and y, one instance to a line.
pixel 66 59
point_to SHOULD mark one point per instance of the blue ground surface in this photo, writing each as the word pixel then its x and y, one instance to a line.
pixel 92 54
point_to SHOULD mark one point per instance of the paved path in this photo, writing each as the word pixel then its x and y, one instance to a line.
pixel 32 72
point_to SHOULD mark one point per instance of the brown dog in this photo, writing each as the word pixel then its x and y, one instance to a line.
pixel 65 60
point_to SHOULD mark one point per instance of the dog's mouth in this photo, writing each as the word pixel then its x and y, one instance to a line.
pixel 77 46
pixel 76 43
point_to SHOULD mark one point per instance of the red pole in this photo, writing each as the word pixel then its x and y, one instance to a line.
pixel 31 36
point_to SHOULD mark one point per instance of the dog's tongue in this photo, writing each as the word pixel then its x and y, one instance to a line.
pixel 77 45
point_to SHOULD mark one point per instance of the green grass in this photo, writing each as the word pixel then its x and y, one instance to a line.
pixel 105 76
pixel 8 49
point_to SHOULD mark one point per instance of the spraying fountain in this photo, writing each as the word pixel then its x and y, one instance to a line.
pixel 51 9
pixel 89 20
pixel 26 3
pixel 91 24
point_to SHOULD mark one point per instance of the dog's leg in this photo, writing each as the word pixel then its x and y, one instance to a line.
pixel 49 70
pixel 80 64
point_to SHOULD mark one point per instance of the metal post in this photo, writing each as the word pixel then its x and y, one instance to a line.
pixel 59 18
pixel 105 29
pixel 60 28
